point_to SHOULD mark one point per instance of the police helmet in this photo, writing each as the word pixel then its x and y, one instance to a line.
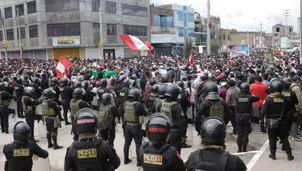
pixel 29 91
pixel 64 82
pixel 37 81
pixel 180 84
pixel 85 84
pixel 19 80
pixel 2 86
pixel 78 84
pixel 21 131
pixel 126 83
pixel 172 91
pixel 245 87
pixel 135 94
pixel 213 131
pixel 152 81
pixel 5 79
pixel 86 121
pixel 286 82
pixel 49 93
pixel 275 86
pixel 154 90
pixel 54 81
pixel 210 86
pixel 158 128
pixel 103 83
pixel 161 90
pixel 78 93
pixel 106 98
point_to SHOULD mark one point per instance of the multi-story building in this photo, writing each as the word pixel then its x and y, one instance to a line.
pixel 170 25
pixel 51 28
pixel 278 32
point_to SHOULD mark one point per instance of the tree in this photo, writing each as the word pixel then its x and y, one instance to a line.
pixel 188 47
pixel 215 45
pixel 233 31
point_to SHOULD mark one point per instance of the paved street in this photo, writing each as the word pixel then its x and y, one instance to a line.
pixel 256 159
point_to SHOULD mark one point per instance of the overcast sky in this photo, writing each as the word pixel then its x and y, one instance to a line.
pixel 245 14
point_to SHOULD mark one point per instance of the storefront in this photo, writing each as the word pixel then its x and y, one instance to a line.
pixel 67 46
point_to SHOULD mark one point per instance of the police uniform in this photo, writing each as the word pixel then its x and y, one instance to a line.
pixel 66 96
pixel 5 99
pixel 121 96
pixel 19 93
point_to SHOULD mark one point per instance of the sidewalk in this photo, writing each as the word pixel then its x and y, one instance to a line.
pixel 264 163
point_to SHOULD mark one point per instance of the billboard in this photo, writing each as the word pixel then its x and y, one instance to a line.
pixel 66 41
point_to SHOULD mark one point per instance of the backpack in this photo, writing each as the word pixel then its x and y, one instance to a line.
pixel 105 118
pixel 215 163
pixel 217 109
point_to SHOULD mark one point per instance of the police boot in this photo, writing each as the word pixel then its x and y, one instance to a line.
pixel 55 143
pixel 244 148
pixel 290 157
pixel 48 136
pixel 138 163
pixel 239 148
pixel 272 156
pixel 127 161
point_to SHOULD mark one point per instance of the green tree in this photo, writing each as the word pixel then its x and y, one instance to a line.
pixel 233 31
pixel 215 45
pixel 188 47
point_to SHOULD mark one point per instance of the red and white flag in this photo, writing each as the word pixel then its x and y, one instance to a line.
pixel 133 42
pixel 148 44
pixel 191 60
pixel 62 67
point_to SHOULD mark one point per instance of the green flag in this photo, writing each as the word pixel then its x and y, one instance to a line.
pixel 109 73
pixel 94 73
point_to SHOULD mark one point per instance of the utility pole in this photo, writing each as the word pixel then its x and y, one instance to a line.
pixel 227 36
pixel 19 32
pixel 4 36
pixel 101 31
pixel 286 14
pixel 209 28
pixel 300 52
pixel 260 37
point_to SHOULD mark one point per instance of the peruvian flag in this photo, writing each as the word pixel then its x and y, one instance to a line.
pixel 148 44
pixel 62 67
pixel 191 60
pixel 134 43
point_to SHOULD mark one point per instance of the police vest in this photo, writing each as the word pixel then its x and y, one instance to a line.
pixel 156 159
pixel 74 106
pixel 26 108
pixel 46 110
pixel 130 115
pixel 121 96
pixel 100 92
pixel 4 102
pixel 286 94
pixel 216 109
pixel 166 108
pixel 20 158
pixel 87 156
pixel 105 118
pixel 243 104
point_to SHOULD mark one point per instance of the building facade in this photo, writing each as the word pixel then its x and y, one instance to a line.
pixel 52 28
pixel 278 32
pixel 170 25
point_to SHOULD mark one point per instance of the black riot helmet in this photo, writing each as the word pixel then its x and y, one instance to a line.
pixel 64 82
pixel 158 128
pixel 78 84
pixel 180 84
pixel 152 81
pixel 126 83
pixel 85 84
pixel 172 91
pixel 21 131
pixel 78 93
pixel 86 121
pixel 286 82
pixel 2 86
pixel 5 79
pixel 19 80
pixel 135 94
pixel 275 86
pixel 210 86
pixel 213 131
pixel 29 91
pixel 245 87
pixel 106 98
pixel 103 83
pixel 54 82
pixel 161 91
pixel 49 93
pixel 154 90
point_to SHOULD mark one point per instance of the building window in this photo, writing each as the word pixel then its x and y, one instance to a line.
pixel 190 17
pixel 134 10
pixel 180 16
pixel 20 9
pixel 10 34
pixel 66 29
pixel 31 7
pixel 1 36
pixel 96 25
pixel 181 32
pixel 8 12
pixel 190 32
pixel 22 33
pixel 62 5
pixel 95 5
pixel 290 30
pixel 223 37
pixel 33 31
pixel 111 29
pixel 277 29
pixel 135 30
pixel 110 7
pixel 276 35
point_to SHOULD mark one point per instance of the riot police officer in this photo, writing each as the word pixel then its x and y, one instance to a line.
pixel 89 152
pixel 5 99
pixel 158 128
pixel 212 105
pixel 76 104
pixel 103 89
pixel 121 96
pixel 29 108
pixel 19 153
pixel 106 120
pixel 243 116
pixel 213 155
pixel 173 110
pixel 153 96
pixel 275 108
pixel 19 93
pixel 133 114
pixel 54 84
pixel 51 110
pixel 88 95
pixel 65 97
pixel 160 99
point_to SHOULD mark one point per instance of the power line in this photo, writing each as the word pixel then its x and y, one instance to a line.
pixel 286 13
